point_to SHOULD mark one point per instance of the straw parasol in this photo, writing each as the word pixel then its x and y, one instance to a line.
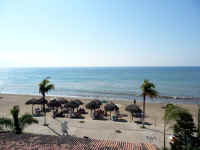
pixel 62 100
pixel 92 105
pixel 98 102
pixel 79 102
pixel 133 109
pixel 54 103
pixel 71 104
pixel 110 107
pixel 32 102
pixel 41 101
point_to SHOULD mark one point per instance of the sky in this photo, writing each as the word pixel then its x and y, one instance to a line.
pixel 58 33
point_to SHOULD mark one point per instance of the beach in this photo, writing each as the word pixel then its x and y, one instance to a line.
pixel 100 73
pixel 98 129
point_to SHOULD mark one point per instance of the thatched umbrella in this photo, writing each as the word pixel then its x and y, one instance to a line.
pixel 41 101
pixel 98 102
pixel 93 105
pixel 133 109
pixel 71 104
pixel 62 100
pixel 110 107
pixel 54 103
pixel 79 102
pixel 32 102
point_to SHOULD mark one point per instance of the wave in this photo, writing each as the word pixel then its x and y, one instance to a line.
pixel 121 94
pixel 106 94
pixel 179 97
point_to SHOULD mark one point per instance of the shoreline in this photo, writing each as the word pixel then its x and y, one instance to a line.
pixel 159 99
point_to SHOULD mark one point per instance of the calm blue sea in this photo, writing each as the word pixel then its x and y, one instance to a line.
pixel 105 82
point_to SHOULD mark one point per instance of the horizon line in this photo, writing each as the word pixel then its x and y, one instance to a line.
pixel 88 66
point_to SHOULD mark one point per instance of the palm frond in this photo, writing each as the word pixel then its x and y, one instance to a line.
pixel 148 88
pixel 27 119
pixel 173 112
pixel 15 111
pixel 50 87
pixel 152 93
pixel 44 82
pixel 6 122
pixel 45 86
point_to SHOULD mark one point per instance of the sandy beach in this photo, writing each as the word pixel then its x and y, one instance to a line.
pixel 98 129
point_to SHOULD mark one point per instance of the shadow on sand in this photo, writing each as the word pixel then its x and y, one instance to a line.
pixel 145 123
pixel 54 131
pixel 121 120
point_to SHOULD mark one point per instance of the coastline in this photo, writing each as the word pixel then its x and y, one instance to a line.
pixel 127 98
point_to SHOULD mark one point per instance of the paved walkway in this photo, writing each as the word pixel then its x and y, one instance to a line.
pixel 102 130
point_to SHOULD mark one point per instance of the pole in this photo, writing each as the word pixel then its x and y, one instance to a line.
pixel 144 98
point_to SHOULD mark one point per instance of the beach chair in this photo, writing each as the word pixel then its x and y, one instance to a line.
pixel 114 118
pixel 37 113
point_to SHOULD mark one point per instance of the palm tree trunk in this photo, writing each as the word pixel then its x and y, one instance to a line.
pixel 110 115
pixel 164 146
pixel 16 124
pixel 144 101
pixel 43 104
pixel 32 109
pixel 44 110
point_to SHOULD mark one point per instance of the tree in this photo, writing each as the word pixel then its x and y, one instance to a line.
pixel 184 128
pixel 198 122
pixel 184 132
pixel 148 89
pixel 172 112
pixel 45 87
pixel 17 124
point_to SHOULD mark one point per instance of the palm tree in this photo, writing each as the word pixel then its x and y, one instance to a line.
pixel 183 128
pixel 17 124
pixel 148 89
pixel 172 112
pixel 45 87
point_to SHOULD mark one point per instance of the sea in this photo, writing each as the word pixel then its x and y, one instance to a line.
pixel 174 84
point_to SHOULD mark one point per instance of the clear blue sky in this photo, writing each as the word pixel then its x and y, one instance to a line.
pixel 99 33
